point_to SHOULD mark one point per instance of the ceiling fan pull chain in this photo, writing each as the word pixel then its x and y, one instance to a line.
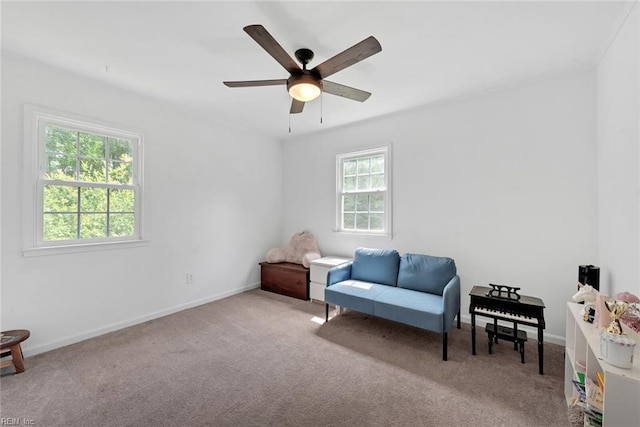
pixel 289 122
pixel 320 107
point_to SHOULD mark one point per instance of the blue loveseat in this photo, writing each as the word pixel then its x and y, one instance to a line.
pixel 418 290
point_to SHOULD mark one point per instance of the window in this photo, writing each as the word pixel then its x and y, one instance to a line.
pixel 364 192
pixel 87 182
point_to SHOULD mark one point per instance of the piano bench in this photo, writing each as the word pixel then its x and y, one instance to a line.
pixel 506 334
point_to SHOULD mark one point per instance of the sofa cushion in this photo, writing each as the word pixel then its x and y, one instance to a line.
pixel 410 307
pixel 376 265
pixel 425 273
pixel 354 294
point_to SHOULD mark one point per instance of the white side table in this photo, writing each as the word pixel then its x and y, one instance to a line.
pixel 318 275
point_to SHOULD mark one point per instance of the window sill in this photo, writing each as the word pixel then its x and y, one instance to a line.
pixel 363 234
pixel 84 247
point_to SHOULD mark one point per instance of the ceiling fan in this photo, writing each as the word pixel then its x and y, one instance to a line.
pixel 305 85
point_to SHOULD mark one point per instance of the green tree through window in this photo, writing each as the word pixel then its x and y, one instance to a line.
pixel 363 192
pixel 88 185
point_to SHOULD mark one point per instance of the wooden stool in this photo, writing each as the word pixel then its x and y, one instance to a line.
pixel 11 340
pixel 507 335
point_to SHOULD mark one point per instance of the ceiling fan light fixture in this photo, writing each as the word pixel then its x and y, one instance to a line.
pixel 304 87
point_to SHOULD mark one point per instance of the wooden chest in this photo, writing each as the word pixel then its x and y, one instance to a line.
pixel 286 279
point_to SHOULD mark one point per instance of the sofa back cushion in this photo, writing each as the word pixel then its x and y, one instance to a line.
pixel 376 265
pixel 425 273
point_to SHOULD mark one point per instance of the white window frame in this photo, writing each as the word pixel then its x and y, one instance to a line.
pixel 340 159
pixel 36 119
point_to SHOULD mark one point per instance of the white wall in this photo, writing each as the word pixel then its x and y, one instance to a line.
pixel 207 212
pixel 618 179
pixel 503 182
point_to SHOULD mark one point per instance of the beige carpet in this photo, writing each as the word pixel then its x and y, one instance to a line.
pixel 258 359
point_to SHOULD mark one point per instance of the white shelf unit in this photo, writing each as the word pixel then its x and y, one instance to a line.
pixel 621 403
pixel 318 275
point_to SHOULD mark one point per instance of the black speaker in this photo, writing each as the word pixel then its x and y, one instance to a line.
pixel 589 275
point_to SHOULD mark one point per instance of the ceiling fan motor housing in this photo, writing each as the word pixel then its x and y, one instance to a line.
pixel 304 78
pixel 307 86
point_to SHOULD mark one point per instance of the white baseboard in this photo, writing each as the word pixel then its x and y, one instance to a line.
pixel 532 332
pixel 32 351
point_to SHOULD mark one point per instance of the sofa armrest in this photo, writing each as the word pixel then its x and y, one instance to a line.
pixel 339 273
pixel 451 302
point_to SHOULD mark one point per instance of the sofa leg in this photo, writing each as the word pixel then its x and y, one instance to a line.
pixel 326 312
pixel 458 318
pixel 444 346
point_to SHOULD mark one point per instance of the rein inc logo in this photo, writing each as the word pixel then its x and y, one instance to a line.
pixel 7 421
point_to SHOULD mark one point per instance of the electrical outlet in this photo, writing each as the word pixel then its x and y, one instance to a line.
pixel 189 278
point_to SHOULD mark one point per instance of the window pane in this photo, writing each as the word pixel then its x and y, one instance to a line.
pixel 362 221
pixel 362 203
pixel 121 201
pixel 364 166
pixel 93 199
pixel 348 221
pixel 363 182
pixel 120 172
pixel 93 170
pixel 350 183
pixel 93 225
pixel 121 224
pixel 350 167
pixel 376 203
pixel 91 145
pixel 60 140
pixel 376 221
pixel 60 167
pixel 86 178
pixel 377 182
pixel 60 226
pixel 120 149
pixel 365 191
pixel 60 198
pixel 349 204
pixel 377 164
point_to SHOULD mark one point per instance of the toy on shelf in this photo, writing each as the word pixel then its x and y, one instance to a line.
pixel 616 310
pixel 631 317
pixel 587 294
pixel 616 348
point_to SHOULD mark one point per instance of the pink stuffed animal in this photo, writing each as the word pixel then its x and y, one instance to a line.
pixel 627 297
pixel 631 317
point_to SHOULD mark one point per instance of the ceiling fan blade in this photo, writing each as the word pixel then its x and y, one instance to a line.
pixel 356 53
pixel 345 91
pixel 252 83
pixel 273 48
pixel 296 106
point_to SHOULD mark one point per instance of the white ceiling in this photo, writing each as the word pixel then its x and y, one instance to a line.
pixel 431 51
